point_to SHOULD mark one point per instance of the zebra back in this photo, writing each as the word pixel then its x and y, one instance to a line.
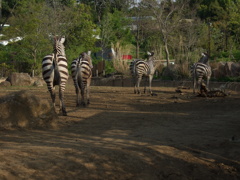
pixel 201 70
pixel 132 66
pixel 139 67
pixel 55 66
pixel 81 69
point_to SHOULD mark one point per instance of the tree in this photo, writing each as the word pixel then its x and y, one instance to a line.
pixel 114 29
pixel 7 7
pixel 28 23
pixel 102 7
pixel 168 15
pixel 140 25
pixel 37 23
pixel 224 16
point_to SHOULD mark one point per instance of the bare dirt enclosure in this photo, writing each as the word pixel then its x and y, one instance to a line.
pixel 124 136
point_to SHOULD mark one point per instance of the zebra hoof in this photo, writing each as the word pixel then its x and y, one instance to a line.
pixel 64 113
pixel 153 94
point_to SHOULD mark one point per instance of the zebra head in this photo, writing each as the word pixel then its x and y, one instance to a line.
pixel 150 53
pixel 150 56
pixel 59 45
pixel 204 58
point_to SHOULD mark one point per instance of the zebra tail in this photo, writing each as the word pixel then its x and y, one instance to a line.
pixel 134 68
pixel 55 64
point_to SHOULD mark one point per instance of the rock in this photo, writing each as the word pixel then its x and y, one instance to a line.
pixel 219 70
pixel 38 83
pixel 232 69
pixel 5 84
pixel 22 109
pixel 20 79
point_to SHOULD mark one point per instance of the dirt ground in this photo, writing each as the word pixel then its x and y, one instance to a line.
pixel 124 136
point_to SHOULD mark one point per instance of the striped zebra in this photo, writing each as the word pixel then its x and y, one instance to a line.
pixel 55 71
pixel 82 74
pixel 201 70
pixel 140 68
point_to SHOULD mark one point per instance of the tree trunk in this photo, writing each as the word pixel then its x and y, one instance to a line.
pixel 167 53
pixel 137 50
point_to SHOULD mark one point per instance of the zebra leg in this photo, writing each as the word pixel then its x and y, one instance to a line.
pixel 199 83
pixel 150 84
pixel 138 84
pixel 82 95
pixel 77 90
pixel 208 78
pixel 194 85
pixel 77 94
pixel 51 90
pixel 53 96
pixel 88 90
pixel 62 104
pixel 135 84
pixel 145 85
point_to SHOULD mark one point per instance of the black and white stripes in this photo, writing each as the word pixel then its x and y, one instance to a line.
pixel 199 71
pixel 55 71
pixel 82 74
pixel 140 68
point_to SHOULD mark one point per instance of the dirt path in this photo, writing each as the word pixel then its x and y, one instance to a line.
pixel 126 136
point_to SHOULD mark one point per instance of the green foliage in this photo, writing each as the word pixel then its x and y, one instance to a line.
pixel 36 22
pixel 114 29
pixel 109 67
pixel 228 56
pixel 204 25
pixel 80 32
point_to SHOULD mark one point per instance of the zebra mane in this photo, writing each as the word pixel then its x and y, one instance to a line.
pixel 58 47
pixel 204 58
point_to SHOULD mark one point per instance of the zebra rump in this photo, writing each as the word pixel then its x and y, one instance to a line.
pixel 82 74
pixel 199 72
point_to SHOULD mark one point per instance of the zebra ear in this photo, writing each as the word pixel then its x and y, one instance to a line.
pixel 89 53
pixel 149 53
pixel 62 40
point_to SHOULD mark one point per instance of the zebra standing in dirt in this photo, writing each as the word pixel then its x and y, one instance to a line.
pixel 201 70
pixel 55 71
pixel 82 74
pixel 140 68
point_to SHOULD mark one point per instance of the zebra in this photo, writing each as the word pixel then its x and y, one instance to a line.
pixel 140 68
pixel 204 59
pixel 82 73
pixel 55 72
pixel 201 70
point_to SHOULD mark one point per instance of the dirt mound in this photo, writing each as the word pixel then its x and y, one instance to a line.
pixel 22 109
